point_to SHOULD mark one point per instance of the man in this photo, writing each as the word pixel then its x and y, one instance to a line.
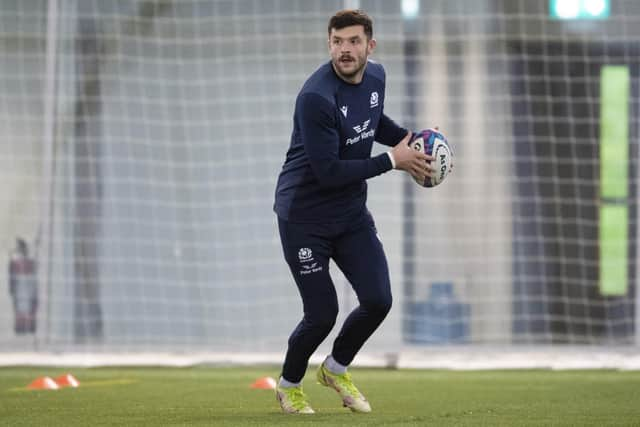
pixel 321 207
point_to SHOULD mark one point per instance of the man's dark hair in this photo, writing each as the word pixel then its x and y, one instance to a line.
pixel 349 17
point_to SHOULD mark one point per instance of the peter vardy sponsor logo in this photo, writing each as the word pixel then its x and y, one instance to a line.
pixel 362 131
pixel 305 255
pixel 364 126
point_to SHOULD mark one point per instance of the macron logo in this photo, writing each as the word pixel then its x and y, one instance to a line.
pixel 362 128
pixel 344 110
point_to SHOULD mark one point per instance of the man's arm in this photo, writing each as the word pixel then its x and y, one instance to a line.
pixel 388 132
pixel 321 143
pixel 417 164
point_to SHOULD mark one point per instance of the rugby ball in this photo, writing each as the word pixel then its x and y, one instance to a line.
pixel 434 143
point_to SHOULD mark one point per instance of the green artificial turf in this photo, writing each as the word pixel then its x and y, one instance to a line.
pixel 212 396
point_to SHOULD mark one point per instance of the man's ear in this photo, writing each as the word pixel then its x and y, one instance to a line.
pixel 372 45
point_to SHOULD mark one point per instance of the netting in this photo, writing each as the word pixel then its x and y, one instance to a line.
pixel 142 140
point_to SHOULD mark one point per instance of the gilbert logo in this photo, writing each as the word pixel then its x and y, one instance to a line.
pixel 344 110
pixel 443 166
pixel 373 101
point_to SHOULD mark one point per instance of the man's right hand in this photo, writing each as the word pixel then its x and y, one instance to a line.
pixel 412 161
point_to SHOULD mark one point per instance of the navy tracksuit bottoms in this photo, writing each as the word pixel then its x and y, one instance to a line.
pixel 357 251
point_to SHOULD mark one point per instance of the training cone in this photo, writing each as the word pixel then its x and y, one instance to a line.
pixel 43 383
pixel 67 380
pixel 266 383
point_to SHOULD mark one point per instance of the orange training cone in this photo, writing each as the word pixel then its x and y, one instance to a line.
pixel 67 380
pixel 43 383
pixel 266 383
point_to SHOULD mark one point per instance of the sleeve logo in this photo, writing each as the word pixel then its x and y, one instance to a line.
pixel 373 101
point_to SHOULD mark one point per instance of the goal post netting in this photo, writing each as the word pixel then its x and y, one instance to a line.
pixel 142 140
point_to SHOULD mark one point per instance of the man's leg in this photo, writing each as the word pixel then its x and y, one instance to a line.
pixel 361 258
pixel 360 255
pixel 307 254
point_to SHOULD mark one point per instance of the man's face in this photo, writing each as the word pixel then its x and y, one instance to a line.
pixel 349 49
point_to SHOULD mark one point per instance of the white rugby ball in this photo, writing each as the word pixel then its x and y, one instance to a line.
pixel 434 143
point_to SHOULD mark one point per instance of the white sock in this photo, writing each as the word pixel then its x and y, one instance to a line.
pixel 333 366
pixel 287 384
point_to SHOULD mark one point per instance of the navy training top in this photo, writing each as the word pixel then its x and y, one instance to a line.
pixel 329 157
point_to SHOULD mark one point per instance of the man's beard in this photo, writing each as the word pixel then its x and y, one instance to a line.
pixel 337 64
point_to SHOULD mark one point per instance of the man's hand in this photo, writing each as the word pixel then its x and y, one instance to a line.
pixel 412 161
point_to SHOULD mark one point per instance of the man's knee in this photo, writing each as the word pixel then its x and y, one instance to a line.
pixel 321 320
pixel 379 306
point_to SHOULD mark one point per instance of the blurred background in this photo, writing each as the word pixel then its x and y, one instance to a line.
pixel 141 142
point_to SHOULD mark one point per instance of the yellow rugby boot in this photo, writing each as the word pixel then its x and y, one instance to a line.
pixel 351 396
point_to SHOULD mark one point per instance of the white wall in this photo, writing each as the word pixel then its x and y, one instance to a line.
pixel 21 72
